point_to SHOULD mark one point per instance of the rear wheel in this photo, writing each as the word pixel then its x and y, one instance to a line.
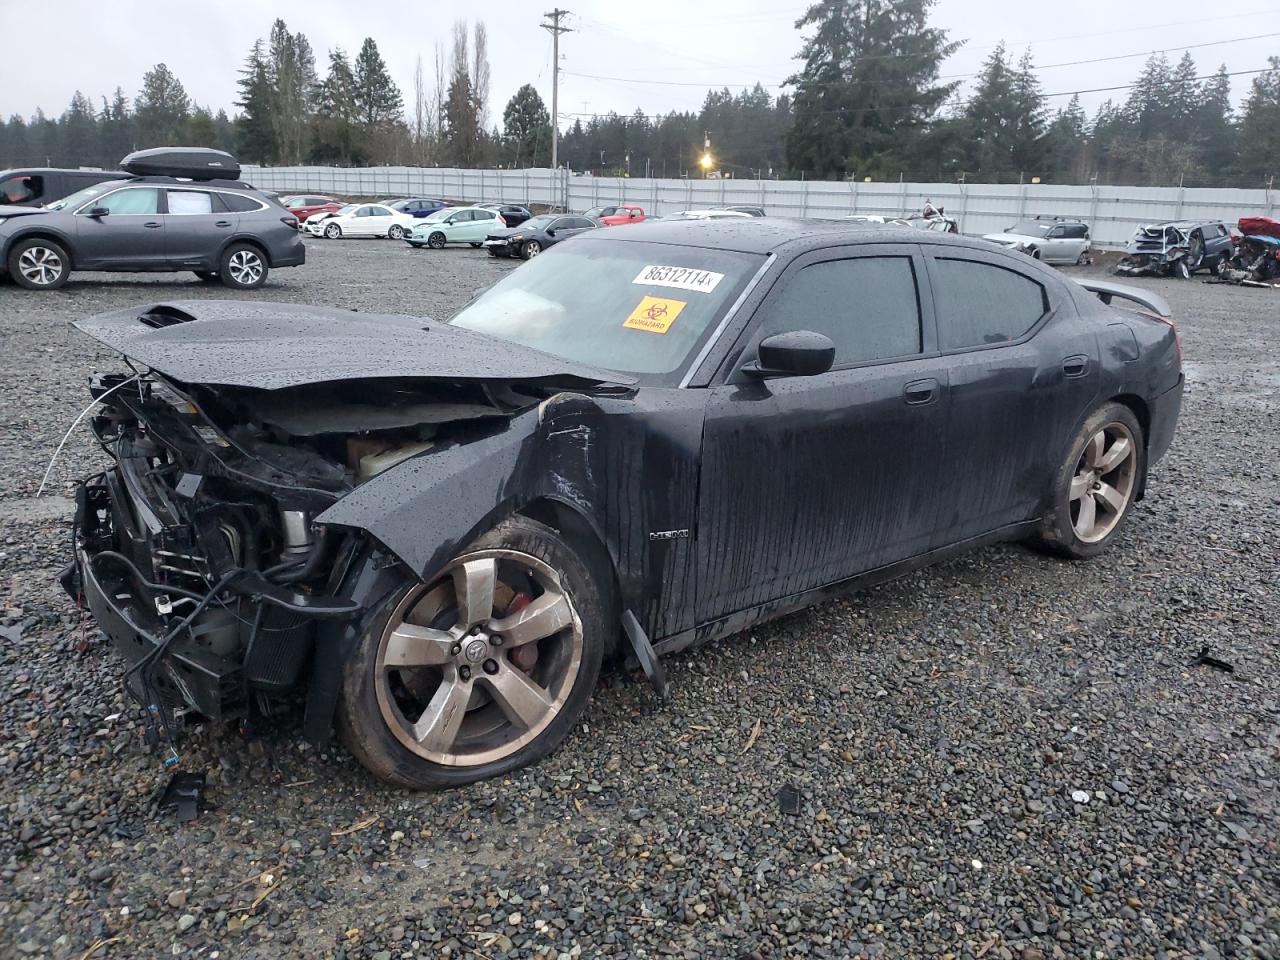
pixel 1096 484
pixel 436 241
pixel 39 264
pixel 396 232
pixel 208 276
pixel 531 249
pixel 243 267
pixel 484 669
pixel 475 246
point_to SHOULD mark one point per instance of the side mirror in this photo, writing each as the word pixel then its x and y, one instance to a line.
pixel 98 212
pixel 551 233
pixel 796 353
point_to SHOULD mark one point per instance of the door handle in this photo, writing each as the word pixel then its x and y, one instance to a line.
pixel 222 223
pixel 152 224
pixel 1075 366
pixel 919 392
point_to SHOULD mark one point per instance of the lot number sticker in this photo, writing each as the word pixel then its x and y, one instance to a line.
pixel 654 314
pixel 682 278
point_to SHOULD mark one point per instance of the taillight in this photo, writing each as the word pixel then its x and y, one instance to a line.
pixel 291 222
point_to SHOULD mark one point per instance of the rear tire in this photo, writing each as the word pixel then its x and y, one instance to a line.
pixel 396 232
pixel 39 264
pixel 208 276
pixel 243 267
pixel 475 246
pixel 399 721
pixel 1096 484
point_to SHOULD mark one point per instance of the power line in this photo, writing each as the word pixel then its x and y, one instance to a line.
pixel 960 103
pixel 954 76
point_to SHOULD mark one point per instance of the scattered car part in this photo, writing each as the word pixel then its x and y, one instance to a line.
pixel 1178 249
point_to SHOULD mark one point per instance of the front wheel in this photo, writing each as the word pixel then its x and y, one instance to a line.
pixel 1096 484
pixel 436 241
pixel 531 249
pixel 485 668
pixel 1182 270
pixel 333 231
pixel 39 264
pixel 243 267
pixel 396 232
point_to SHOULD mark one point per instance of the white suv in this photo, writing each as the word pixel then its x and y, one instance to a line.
pixel 1051 239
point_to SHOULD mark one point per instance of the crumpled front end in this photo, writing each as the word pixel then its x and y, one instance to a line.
pixel 196 554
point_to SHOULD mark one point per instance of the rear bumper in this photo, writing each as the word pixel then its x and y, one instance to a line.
pixel 292 254
pixel 1164 420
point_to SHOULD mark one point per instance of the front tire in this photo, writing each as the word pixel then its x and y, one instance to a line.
pixel 243 267
pixel 436 241
pixel 484 669
pixel 1096 484
pixel 531 249
pixel 39 264
pixel 333 232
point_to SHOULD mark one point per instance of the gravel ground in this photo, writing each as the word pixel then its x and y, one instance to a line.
pixel 1005 756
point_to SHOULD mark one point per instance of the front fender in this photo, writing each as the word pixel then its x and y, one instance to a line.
pixel 427 509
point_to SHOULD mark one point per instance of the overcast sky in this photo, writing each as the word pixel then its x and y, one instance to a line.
pixel 647 50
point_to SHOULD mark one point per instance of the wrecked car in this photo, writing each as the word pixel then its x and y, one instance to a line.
pixel 647 439
pixel 1255 255
pixel 1176 249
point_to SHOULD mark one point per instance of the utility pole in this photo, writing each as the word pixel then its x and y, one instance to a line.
pixel 555 29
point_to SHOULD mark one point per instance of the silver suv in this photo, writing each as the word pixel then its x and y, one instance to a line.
pixel 220 229
pixel 1051 239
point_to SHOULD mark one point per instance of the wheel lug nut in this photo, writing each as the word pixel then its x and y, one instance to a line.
pixel 456 649
pixel 464 673
pixel 490 666
pixel 495 639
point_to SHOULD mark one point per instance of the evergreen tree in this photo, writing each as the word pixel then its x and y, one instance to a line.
pixel 161 108
pixel 1260 127
pixel 868 85
pixel 338 135
pixel 1185 101
pixel 1215 126
pixel 1150 108
pixel 378 100
pixel 291 74
pixel 200 129
pixel 115 125
pixel 80 132
pixel 527 129
pixel 19 142
pixel 255 133
pixel 1066 143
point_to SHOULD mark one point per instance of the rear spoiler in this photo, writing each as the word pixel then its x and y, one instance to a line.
pixel 1106 291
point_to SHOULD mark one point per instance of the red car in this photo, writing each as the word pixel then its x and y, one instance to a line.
pixel 304 205
pixel 616 215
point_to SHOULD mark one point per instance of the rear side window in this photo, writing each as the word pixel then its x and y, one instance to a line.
pixel 189 201
pixel 867 305
pixel 238 202
pixel 979 304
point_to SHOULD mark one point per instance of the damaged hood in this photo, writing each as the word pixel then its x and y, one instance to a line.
pixel 272 346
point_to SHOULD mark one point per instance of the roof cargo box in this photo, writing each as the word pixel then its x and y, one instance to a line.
pixel 193 163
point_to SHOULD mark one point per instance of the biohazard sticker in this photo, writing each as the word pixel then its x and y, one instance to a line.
pixel 682 278
pixel 654 314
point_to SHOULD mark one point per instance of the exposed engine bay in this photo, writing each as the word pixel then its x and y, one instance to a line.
pixel 200 545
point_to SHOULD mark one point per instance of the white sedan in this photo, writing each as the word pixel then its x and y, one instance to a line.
pixel 708 215
pixel 361 220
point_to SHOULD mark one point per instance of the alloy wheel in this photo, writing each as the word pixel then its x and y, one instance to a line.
pixel 532 249
pixel 1104 481
pixel 245 268
pixel 41 266
pixel 396 232
pixel 333 231
pixel 476 665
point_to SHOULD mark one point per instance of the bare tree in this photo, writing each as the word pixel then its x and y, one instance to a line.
pixel 480 72
pixel 440 86
pixel 421 108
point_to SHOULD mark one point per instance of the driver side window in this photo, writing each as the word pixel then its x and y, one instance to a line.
pixel 868 306
pixel 134 200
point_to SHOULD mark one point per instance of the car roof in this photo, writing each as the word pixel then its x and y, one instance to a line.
pixel 764 235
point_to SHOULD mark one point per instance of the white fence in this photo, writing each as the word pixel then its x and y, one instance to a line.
pixel 1112 212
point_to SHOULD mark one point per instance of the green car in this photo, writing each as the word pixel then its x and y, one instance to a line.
pixel 455 225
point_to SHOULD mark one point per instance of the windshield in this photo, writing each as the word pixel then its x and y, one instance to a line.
pixel 441 214
pixel 1031 228
pixel 597 212
pixel 537 223
pixel 639 308
pixel 81 196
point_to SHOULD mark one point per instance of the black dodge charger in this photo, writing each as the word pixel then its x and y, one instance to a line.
pixel 647 439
